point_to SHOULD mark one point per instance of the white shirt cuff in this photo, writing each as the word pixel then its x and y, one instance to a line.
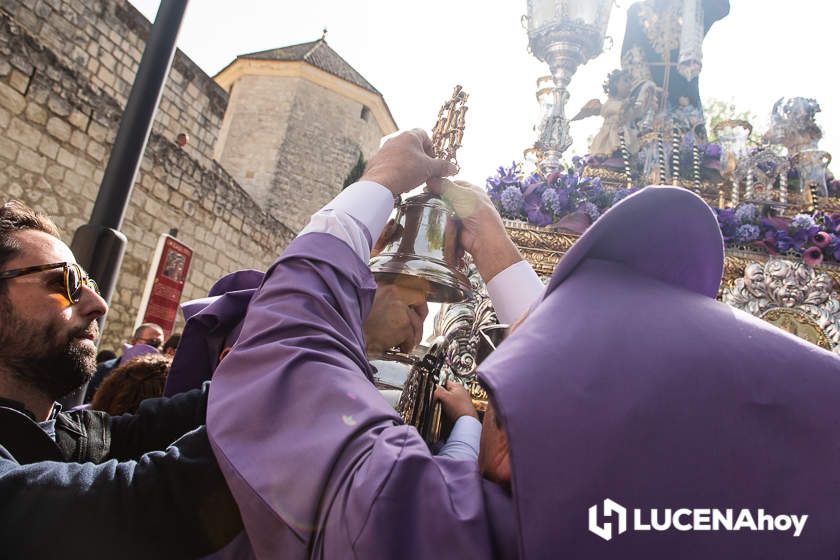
pixel 464 440
pixel 513 290
pixel 366 203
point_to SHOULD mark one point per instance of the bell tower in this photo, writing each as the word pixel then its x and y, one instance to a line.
pixel 298 120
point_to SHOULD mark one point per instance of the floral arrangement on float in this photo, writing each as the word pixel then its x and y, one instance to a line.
pixel 567 201
pixel 813 237
pixel 563 200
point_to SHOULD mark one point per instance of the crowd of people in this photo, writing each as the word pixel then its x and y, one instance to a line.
pixel 623 379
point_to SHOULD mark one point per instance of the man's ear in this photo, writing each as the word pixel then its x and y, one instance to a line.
pixel 503 471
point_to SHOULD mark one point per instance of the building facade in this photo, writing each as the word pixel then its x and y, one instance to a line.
pixel 66 69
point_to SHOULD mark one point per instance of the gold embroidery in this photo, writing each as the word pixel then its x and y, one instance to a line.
pixel 661 27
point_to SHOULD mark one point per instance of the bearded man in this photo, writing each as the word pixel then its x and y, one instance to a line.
pixel 82 483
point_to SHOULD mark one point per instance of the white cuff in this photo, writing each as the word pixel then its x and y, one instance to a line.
pixel 368 202
pixel 464 440
pixel 513 290
pixel 364 203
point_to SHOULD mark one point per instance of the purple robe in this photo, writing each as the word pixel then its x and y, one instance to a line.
pixel 629 382
pixel 318 461
pixel 213 323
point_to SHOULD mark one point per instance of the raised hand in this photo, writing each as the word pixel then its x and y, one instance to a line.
pixel 406 161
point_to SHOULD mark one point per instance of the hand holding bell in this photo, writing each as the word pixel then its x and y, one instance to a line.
pixel 406 161
pixel 422 251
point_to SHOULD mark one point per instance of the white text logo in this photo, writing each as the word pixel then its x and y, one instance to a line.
pixel 684 519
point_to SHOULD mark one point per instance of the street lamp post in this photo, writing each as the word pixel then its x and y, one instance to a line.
pixel 99 246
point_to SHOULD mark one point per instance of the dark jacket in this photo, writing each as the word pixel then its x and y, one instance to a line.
pixel 103 370
pixel 106 489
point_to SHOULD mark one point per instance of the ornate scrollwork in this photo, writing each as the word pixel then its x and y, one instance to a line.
pixel 459 324
pixel 527 236
pixel 792 296
pixel 733 269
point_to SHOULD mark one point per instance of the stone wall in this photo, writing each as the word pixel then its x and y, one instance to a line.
pixel 60 104
pixel 102 42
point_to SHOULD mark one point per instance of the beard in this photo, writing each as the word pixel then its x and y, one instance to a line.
pixel 41 358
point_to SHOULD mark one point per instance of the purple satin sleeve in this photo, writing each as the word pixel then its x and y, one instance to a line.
pixel 315 457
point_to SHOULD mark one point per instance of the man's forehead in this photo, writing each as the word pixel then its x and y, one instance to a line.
pixel 36 248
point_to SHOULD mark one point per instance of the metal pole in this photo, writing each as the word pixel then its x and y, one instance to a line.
pixel 99 246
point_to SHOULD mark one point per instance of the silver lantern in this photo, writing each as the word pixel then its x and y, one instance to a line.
pixel 564 34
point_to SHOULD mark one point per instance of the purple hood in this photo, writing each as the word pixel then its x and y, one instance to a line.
pixel 213 323
pixel 629 382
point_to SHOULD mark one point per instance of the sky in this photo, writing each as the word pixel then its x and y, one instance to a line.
pixel 415 52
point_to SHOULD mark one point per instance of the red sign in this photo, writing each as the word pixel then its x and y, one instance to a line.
pixel 165 284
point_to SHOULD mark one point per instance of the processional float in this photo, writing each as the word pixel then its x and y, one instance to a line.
pixel 777 205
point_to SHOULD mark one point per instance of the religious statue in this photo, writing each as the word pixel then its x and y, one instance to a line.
pixel 663 43
pixel 793 124
pixel 622 112
pixel 689 121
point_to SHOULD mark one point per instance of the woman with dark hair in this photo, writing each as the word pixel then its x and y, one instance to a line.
pixel 132 382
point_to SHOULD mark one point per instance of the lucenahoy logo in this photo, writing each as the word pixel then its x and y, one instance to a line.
pixel 685 519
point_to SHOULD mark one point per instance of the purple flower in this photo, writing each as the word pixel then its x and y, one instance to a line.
pixel 555 179
pixel 504 178
pixel 831 222
pixel 802 222
pixel 553 202
pixel 835 247
pixel 727 222
pixel 821 239
pixel 747 214
pixel 538 217
pixel 812 256
pixel 512 201
pixel 590 210
pixel 532 179
pixel 746 234
pixel 784 242
pixel 597 194
pixel 621 194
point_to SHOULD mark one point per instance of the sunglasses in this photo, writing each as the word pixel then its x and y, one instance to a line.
pixel 74 277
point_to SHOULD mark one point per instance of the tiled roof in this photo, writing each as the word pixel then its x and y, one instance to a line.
pixel 319 54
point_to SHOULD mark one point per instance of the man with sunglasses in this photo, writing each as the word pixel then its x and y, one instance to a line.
pixel 98 486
